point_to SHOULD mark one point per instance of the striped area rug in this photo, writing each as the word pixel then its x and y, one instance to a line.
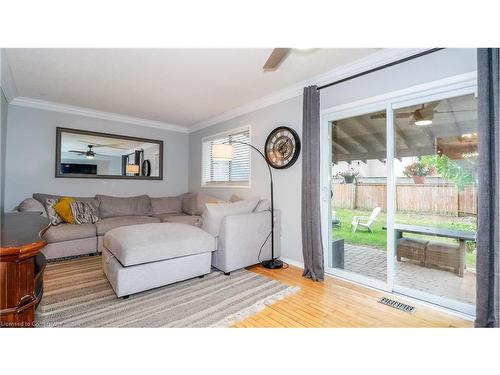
pixel 77 294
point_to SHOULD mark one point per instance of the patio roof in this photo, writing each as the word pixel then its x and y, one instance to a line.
pixel 452 133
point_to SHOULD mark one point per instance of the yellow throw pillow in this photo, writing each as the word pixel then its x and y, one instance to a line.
pixel 63 209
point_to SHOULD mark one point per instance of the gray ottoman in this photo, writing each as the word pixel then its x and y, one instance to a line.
pixel 136 258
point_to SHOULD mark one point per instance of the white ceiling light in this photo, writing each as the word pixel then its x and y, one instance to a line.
pixel 423 122
pixel 423 117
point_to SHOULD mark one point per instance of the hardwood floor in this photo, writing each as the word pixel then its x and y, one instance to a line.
pixel 338 303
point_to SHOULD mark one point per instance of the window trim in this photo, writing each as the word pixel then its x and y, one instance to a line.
pixel 228 185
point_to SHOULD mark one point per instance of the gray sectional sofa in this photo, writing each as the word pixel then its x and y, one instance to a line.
pixel 240 243
pixel 66 240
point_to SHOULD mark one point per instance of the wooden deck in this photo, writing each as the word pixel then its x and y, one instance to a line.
pixel 338 303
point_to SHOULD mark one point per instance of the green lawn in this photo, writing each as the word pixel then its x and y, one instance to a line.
pixel 378 238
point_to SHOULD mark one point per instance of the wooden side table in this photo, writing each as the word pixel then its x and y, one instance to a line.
pixel 20 244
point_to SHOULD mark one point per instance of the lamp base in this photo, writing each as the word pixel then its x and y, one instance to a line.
pixel 272 264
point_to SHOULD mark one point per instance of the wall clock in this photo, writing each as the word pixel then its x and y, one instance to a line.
pixel 282 147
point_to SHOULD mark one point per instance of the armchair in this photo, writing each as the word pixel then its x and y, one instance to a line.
pixel 240 240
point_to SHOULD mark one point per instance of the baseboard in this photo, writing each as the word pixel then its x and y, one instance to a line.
pixel 293 262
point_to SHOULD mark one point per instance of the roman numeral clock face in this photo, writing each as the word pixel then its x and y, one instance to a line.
pixel 282 147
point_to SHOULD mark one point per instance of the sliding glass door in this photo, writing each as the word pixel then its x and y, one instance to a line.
pixel 435 170
pixel 358 196
pixel 400 194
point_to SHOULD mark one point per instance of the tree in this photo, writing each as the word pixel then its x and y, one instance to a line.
pixel 450 170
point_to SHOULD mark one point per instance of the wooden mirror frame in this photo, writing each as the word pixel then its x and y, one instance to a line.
pixel 58 173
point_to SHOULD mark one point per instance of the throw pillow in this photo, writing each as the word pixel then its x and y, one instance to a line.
pixel 31 205
pixel 213 215
pixel 264 205
pixel 83 212
pixel 63 209
pixel 234 198
pixel 194 203
pixel 42 198
pixel 54 218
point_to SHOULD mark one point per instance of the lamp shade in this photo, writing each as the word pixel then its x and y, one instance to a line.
pixel 132 168
pixel 222 152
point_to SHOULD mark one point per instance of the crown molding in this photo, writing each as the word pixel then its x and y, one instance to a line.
pixel 7 81
pixel 81 111
pixel 376 59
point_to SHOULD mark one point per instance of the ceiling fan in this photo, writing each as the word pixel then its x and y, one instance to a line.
pixel 119 145
pixel 276 58
pixel 421 116
pixel 89 154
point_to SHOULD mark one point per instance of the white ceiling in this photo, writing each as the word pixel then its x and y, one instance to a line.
pixel 174 86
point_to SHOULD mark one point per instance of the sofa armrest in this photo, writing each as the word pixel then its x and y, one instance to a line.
pixel 241 238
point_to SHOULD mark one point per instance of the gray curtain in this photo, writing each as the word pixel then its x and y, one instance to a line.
pixel 487 265
pixel 312 246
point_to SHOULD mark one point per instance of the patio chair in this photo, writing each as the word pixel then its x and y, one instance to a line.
pixel 365 221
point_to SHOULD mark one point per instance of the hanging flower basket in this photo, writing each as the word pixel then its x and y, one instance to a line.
pixel 349 179
pixel 418 171
pixel 348 175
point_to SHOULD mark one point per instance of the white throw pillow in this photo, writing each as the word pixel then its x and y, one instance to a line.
pixel 264 205
pixel 215 212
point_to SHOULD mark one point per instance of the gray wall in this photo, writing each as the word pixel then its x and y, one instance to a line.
pixel 30 155
pixel 3 143
pixel 287 182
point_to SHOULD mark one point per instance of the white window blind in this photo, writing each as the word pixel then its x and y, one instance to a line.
pixel 232 173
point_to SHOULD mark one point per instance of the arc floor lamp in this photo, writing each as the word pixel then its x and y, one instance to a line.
pixel 225 152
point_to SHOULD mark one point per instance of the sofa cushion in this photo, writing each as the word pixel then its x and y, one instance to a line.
pixel 31 205
pixel 124 206
pixel 68 232
pixel 154 242
pixel 166 205
pixel 109 223
pixel 195 203
pixel 214 214
pixel 181 218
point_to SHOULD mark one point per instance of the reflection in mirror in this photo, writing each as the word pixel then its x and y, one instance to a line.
pixel 100 155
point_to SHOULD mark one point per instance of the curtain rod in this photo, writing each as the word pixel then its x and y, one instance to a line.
pixel 381 67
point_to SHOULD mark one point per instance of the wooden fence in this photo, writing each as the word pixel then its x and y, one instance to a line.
pixel 441 199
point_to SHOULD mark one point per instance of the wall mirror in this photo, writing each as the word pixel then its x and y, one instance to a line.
pixel 87 154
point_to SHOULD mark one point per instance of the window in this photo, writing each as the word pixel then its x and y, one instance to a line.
pixel 235 173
